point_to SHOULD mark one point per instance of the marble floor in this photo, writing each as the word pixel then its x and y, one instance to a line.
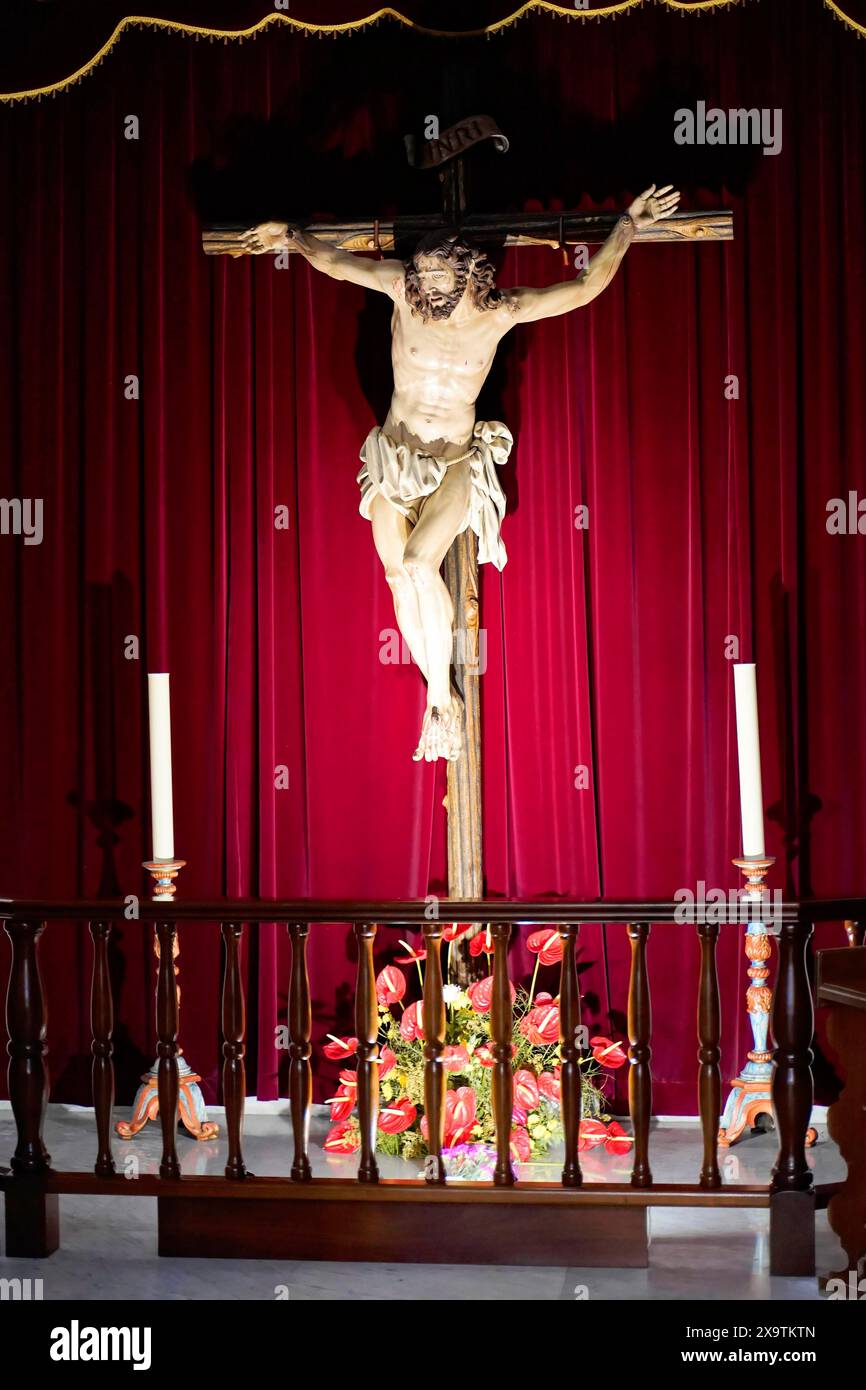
pixel 108 1248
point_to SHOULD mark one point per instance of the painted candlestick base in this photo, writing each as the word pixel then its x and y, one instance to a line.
pixel 751 1094
pixel 191 1111
pixel 748 1100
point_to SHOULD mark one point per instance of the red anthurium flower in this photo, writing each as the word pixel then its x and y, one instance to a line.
pixel 387 1062
pixel 541 1024
pixel 459 1116
pixel 518 1115
pixel 349 1078
pixel 411 1026
pixel 482 942
pixel 484 1054
pixel 591 1134
pixel 526 1089
pixel 610 1054
pixel 550 1086
pixel 617 1141
pixel 412 954
pixel 481 995
pixel 455 1058
pixel 342 1140
pixel 398 1115
pixel 460 1113
pixel 542 998
pixel 454 930
pixel 519 1145
pixel 548 946
pixel 343 1103
pixel 339 1048
pixel 390 985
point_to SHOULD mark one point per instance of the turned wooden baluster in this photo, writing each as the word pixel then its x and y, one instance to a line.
pixel 570 1079
pixel 501 1039
pixel 793 1025
pixel 27 1025
pixel 300 1070
pixel 167 1049
pixel 367 1031
pixel 856 933
pixel 640 1084
pixel 435 1080
pixel 102 1047
pixel 709 1054
pixel 234 1032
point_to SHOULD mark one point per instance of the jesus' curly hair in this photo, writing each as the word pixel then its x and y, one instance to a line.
pixel 467 262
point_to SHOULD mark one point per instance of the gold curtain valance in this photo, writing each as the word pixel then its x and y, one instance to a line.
pixel 388 14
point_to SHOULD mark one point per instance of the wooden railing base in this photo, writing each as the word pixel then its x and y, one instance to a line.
pixel 792 1233
pixel 32 1220
pixel 465 1228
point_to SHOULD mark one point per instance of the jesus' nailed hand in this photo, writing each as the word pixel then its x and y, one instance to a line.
pixel 430 471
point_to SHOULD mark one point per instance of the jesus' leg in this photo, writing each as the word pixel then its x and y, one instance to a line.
pixel 390 534
pixel 442 515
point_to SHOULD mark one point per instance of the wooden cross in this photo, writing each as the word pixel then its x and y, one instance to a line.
pixel 447 155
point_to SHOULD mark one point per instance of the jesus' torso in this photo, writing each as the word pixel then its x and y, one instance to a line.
pixel 439 367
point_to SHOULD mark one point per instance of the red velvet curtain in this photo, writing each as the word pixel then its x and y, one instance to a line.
pixel 256 386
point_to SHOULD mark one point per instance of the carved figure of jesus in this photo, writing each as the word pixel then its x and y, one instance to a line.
pixel 430 471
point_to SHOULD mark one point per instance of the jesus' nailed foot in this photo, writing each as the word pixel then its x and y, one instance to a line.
pixel 441 732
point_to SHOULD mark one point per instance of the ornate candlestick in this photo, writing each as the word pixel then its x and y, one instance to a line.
pixel 751 1094
pixel 191 1110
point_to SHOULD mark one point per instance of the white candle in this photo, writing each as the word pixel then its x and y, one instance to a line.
pixel 749 750
pixel 162 815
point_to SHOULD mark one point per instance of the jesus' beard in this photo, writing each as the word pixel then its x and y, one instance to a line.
pixel 442 306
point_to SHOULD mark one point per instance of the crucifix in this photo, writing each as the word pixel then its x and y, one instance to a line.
pixel 429 481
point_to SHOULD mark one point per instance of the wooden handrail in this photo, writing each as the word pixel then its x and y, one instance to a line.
pixel 409 912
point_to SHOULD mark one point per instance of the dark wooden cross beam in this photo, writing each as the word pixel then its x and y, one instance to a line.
pixel 447 155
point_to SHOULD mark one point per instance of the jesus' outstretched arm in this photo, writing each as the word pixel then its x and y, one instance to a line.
pixel 273 237
pixel 531 304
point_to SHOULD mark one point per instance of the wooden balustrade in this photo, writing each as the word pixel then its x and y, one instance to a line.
pixel 167 1080
pixel 102 1047
pixel 234 1031
pixel 569 1071
pixel 435 1080
pixel 709 1055
pixel 30 1206
pixel 300 1070
pixel 640 1075
pixel 367 1031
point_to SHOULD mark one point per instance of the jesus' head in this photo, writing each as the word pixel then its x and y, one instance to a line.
pixel 441 268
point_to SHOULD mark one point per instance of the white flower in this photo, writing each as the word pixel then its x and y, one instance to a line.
pixel 451 993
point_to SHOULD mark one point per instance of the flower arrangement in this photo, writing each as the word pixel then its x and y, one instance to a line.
pixel 467 1059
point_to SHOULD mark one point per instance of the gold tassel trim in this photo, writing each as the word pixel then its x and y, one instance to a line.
pixel 545 7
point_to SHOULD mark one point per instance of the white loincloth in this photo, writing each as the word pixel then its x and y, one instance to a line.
pixel 405 476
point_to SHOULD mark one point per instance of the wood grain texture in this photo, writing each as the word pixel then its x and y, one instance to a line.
pixel 452 1232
